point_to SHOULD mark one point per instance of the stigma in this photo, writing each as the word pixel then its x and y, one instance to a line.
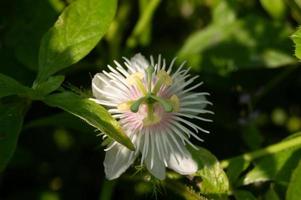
pixel 151 105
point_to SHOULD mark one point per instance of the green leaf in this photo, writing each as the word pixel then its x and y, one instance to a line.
pixel 297 40
pixel 277 166
pixel 11 119
pixel 271 194
pixel 214 183
pixel 63 119
pixel 276 8
pixel 50 85
pixel 12 68
pixel 76 32
pixel 29 20
pixel 293 191
pixel 235 168
pixel 244 195
pixel 252 136
pixel 216 32
pixel 92 113
pixel 253 41
pixel 9 86
pixel 224 12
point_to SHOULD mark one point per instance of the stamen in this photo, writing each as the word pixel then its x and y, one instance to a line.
pixel 163 78
pixel 175 102
pixel 124 106
pixel 136 79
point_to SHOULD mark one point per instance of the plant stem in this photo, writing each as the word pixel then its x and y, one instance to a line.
pixel 107 190
pixel 143 22
pixel 274 148
pixel 182 190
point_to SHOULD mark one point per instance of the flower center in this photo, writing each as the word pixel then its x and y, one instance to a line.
pixel 150 97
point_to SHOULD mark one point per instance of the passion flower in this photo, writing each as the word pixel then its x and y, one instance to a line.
pixel 154 106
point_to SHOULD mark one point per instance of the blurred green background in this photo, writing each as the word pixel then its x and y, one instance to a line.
pixel 241 49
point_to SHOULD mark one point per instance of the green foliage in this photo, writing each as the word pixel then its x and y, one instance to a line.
pixel 11 120
pixel 32 22
pixel 244 195
pixel 277 166
pixel 235 168
pixel 297 40
pixel 50 85
pixel 9 86
pixel 276 8
pixel 63 119
pixel 293 191
pixel 76 32
pixel 144 21
pixel 229 44
pixel 222 26
pixel 92 113
pixel 252 136
pixel 271 194
pixel 214 182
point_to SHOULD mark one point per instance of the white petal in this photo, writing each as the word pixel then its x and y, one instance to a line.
pixel 182 163
pixel 191 103
pixel 158 169
pixel 185 166
pixel 117 160
pixel 139 62
pixel 99 82
pixel 152 161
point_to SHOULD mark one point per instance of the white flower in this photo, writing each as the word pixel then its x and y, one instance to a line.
pixel 154 106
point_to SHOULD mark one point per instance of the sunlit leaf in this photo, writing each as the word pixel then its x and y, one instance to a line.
pixel 293 191
pixel 277 167
pixel 92 113
pixel 76 32
pixel 214 183
pixel 276 8
pixel 11 119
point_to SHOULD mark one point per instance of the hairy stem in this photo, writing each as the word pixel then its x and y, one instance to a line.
pixel 182 190
pixel 274 148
